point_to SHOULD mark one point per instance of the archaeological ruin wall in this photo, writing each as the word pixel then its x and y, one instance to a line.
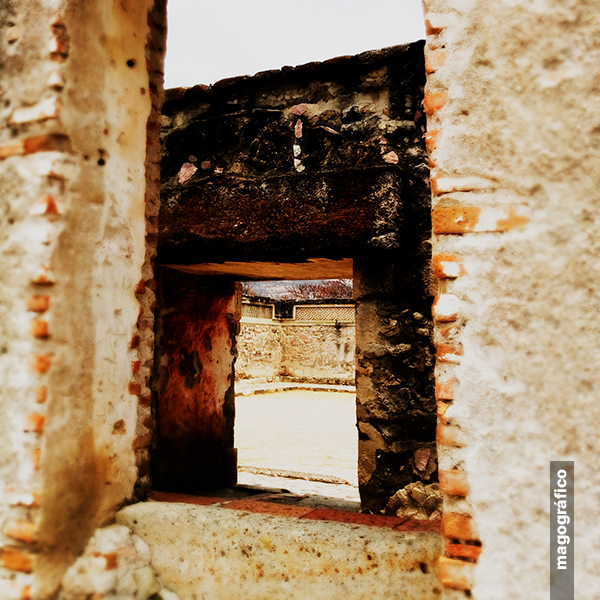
pixel 319 171
pixel 512 149
pixel 81 89
pixel 312 343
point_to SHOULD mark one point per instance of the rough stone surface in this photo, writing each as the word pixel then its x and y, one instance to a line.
pixel 114 566
pixel 353 185
pixel 226 554
pixel 269 195
pixel 396 408
pixel 73 183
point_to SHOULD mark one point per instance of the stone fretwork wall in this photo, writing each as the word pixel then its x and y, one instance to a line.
pixel 512 136
pixel 80 91
pixel 312 346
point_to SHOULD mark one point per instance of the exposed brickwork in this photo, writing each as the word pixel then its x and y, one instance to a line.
pixel 145 290
pixel 456 574
pixel 454 482
pixel 30 131
pixel 456 570
pixel 49 213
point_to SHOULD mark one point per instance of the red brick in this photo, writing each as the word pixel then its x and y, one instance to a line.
pixel 45 205
pixel 41 363
pixel 38 304
pixel 43 277
pixel 447 330
pixel 442 407
pixel 443 266
pixel 12 149
pixel 36 456
pixel 135 366
pixel 435 60
pixel 434 101
pixel 112 560
pixel 450 435
pixel 135 342
pixel 17 559
pixel 455 219
pixel 185 498
pixel 39 328
pixel 21 530
pixel 430 29
pixel 16 496
pixel 445 308
pixel 445 390
pixel 420 526
pixel 41 394
pixel 340 516
pixel 454 482
pixel 35 422
pixel 466 551
pixel 511 220
pixel 431 139
pixel 53 142
pixel 58 48
pixel 456 574
pixel 450 353
pixel 459 527
pixel 135 389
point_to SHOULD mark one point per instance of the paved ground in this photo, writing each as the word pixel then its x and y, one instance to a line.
pixel 249 387
pixel 303 429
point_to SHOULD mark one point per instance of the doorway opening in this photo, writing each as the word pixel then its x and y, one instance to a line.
pixel 295 423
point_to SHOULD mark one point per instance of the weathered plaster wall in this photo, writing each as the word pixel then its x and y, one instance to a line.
pixel 514 139
pixel 197 323
pixel 73 147
pixel 307 352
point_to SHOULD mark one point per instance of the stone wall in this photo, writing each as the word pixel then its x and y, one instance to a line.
pixel 513 140
pixel 322 163
pixel 296 352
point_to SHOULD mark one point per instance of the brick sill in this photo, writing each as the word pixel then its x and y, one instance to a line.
pixel 268 504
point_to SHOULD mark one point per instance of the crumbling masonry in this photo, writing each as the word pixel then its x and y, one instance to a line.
pixel 511 109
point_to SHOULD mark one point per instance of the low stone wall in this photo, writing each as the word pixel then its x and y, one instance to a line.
pixel 292 350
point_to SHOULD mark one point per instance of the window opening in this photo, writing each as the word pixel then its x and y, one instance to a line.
pixel 295 423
